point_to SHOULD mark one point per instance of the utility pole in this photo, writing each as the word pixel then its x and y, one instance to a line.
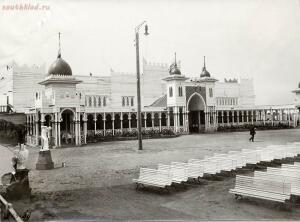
pixel 139 119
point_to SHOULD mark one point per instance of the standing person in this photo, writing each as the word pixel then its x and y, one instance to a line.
pixel 252 133
pixel 21 134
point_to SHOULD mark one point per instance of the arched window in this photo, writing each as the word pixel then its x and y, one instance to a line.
pixel 95 101
pixel 90 122
pixel 99 101
pixel 149 120
pixel 123 101
pixel 171 116
pixel 170 92
pixel 127 101
pixel 117 121
pixel 133 121
pixel 99 122
pixel 180 91
pixel 180 117
pixel 125 121
pixel 156 119
pixel 163 119
pixel 132 101
pixel 90 101
pixel 210 92
pixel 104 101
pixel 108 121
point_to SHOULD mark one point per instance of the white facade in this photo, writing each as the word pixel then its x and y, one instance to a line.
pixel 76 105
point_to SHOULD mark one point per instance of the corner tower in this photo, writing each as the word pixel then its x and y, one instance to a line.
pixel 176 97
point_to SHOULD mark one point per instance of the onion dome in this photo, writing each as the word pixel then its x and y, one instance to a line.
pixel 174 70
pixel 204 72
pixel 60 66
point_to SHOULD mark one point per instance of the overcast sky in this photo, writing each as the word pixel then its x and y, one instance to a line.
pixel 257 39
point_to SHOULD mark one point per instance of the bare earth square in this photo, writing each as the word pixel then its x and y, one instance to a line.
pixel 97 182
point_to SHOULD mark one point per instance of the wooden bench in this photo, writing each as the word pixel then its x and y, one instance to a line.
pixel 241 159
pixel 291 167
pixel 251 156
pixel 213 163
pixel 152 177
pixel 227 162
pixel 208 166
pixel 293 148
pixel 283 171
pixel 7 211
pixel 179 172
pixel 294 181
pixel 266 155
pixel 279 151
pixel 261 188
pixel 195 169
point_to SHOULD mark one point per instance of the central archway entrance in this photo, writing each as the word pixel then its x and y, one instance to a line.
pixel 196 107
pixel 67 128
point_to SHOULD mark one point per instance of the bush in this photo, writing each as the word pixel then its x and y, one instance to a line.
pixel 245 127
pixel 10 131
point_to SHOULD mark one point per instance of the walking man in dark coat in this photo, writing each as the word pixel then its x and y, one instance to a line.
pixel 252 133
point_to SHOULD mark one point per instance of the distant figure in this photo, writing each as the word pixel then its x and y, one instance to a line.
pixel 20 158
pixel 252 133
pixel 21 136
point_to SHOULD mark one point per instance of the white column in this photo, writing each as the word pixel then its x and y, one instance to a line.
pixel 76 131
pixel 145 120
pixel 113 124
pixel 121 120
pixel 187 121
pixel 85 127
pixel 159 121
pixel 168 118
pixel 37 130
pixel 95 122
pixel 228 124
pixel 58 126
pixel 104 124
pixel 152 120
pixel 129 121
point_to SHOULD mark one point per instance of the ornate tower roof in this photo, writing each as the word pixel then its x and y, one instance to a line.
pixel 60 66
pixel 174 70
pixel 204 72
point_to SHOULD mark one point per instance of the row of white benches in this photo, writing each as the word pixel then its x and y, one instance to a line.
pixel 166 175
pixel 276 184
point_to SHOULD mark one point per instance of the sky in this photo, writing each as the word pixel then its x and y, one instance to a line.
pixel 258 39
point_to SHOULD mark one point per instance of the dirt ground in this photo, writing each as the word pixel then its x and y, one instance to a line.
pixel 96 183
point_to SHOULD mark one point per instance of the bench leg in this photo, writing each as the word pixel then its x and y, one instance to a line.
pixel 233 173
pixel 238 196
pixel 199 181
pixel 137 186
pixel 167 189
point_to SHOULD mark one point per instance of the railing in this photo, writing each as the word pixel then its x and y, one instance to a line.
pixel 7 211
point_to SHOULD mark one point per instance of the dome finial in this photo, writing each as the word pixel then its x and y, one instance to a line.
pixel 204 72
pixel 59 49
pixel 174 69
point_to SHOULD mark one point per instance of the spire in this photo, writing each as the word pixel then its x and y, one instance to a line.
pixel 59 49
pixel 173 68
pixel 204 72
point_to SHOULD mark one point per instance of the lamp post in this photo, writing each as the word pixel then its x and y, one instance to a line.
pixel 139 121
